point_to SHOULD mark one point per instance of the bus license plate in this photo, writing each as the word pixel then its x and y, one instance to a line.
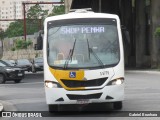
pixel 83 101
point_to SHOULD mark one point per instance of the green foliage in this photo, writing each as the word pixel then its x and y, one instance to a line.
pixel 32 26
pixel 19 44
pixel 157 32
pixel 15 29
pixel 29 42
pixel 58 10
pixel 33 12
pixel 22 44
pixel 36 12
pixel 13 49
pixel 32 23
pixel 2 34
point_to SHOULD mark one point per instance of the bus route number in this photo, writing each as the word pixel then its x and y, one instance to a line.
pixel 104 73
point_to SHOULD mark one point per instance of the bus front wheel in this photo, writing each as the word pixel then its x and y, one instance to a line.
pixel 117 105
pixel 53 108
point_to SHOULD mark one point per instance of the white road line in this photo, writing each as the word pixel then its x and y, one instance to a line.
pixel 31 83
pixel 26 101
pixel 145 71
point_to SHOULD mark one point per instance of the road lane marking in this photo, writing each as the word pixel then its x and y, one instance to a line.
pixel 145 71
pixel 27 101
pixel 31 83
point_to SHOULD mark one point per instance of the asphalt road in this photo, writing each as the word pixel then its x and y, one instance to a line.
pixel 142 93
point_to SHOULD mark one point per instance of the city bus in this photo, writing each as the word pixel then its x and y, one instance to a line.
pixel 83 59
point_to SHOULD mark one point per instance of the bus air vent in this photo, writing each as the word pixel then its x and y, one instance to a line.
pixel 89 96
pixel 86 83
pixel 60 99
pixel 109 97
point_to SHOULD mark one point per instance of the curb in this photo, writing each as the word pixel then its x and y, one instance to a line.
pixel 1 107
pixel 143 71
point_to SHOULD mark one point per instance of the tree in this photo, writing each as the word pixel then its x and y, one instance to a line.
pixel 32 26
pixel 155 19
pixel 2 34
pixel 36 12
pixel 140 32
pixel 37 16
pixel 58 10
pixel 15 29
pixel 157 32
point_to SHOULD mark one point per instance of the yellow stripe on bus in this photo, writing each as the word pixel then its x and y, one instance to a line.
pixel 65 75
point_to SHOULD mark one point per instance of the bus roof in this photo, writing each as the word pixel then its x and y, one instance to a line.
pixel 83 14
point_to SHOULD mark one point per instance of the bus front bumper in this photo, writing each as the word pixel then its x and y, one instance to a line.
pixel 111 93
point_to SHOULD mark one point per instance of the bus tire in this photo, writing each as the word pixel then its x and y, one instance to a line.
pixel 53 108
pixel 117 105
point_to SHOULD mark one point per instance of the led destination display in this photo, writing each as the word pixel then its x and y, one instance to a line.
pixel 83 30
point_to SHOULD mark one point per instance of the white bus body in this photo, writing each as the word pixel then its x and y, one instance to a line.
pixel 92 69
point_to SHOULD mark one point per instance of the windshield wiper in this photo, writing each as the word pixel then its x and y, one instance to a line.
pixel 70 55
pixel 90 50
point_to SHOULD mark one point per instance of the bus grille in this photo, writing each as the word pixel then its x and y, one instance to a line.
pixel 90 96
pixel 86 83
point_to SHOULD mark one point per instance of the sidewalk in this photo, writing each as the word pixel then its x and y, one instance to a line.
pixel 148 71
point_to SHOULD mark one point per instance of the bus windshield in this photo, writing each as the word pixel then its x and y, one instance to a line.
pixel 83 45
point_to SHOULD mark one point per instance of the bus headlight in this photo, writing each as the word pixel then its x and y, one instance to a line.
pixel 50 84
pixel 118 81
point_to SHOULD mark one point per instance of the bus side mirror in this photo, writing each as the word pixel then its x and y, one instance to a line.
pixel 39 45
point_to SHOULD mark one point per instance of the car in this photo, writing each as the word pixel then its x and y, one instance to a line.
pixel 25 64
pixel 37 64
pixel 10 73
pixel 11 62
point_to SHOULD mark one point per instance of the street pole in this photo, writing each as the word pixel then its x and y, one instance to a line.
pixel 24 22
